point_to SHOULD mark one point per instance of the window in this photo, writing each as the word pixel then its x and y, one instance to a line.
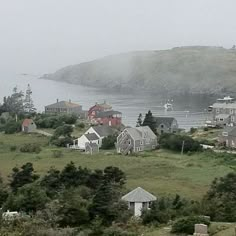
pixel 231 111
pixel 225 134
pixel 162 126
pixel 141 142
pixel 232 118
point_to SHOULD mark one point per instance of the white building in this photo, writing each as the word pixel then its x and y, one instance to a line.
pixel 139 200
pixel 94 134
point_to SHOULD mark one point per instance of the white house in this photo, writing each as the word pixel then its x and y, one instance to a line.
pixel 94 134
pixel 139 200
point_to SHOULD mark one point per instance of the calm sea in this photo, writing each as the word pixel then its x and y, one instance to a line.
pixel 188 110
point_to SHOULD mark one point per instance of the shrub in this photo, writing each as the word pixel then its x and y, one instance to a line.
pixel 81 125
pixel 205 129
pixel 12 127
pixel 186 225
pixel 13 148
pixel 175 142
pixel 57 153
pixel 108 142
pixel 31 147
pixel 193 130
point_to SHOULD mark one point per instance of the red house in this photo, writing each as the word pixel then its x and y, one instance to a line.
pixel 103 114
pixel 98 108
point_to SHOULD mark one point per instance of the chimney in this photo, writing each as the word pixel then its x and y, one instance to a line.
pixel 57 100
pixel 69 101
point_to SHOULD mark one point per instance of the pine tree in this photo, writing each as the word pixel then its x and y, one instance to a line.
pixel 28 102
pixel 140 120
pixel 149 121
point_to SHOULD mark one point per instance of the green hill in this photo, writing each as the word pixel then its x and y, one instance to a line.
pixel 197 69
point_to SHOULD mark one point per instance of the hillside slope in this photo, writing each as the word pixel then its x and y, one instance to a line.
pixel 186 69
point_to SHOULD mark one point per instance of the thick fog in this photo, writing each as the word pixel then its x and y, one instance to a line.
pixel 42 36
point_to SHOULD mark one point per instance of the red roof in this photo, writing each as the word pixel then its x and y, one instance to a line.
pixel 27 122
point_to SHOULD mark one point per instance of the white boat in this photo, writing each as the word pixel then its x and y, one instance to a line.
pixel 226 99
pixel 168 106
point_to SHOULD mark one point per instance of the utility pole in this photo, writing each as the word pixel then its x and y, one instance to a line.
pixel 182 149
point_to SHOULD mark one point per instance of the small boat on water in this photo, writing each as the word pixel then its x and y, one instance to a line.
pixel 168 106
pixel 226 99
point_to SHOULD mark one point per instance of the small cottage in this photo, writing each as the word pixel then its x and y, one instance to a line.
pixel 28 126
pixel 228 137
pixel 95 135
pixel 136 140
pixel 91 148
pixel 139 200
pixel 165 125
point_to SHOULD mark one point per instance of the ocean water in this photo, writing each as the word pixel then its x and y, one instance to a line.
pixel 189 111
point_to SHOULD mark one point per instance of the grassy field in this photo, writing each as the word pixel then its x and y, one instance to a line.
pixel 160 172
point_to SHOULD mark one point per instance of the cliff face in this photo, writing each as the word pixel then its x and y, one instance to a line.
pixel 179 70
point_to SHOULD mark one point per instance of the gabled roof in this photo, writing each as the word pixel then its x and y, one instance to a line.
pixel 91 136
pixel 103 130
pixel 139 195
pixel 103 114
pixel 63 104
pixel 104 105
pixel 163 120
pixel 223 116
pixel 91 145
pixel 230 130
pixel 138 133
pixel 27 122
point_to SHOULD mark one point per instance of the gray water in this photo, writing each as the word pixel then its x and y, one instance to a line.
pixel 189 111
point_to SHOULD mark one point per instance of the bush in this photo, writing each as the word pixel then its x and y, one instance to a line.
pixel 31 147
pixel 12 127
pixel 57 153
pixel 175 142
pixel 13 148
pixel 186 225
pixel 108 142
pixel 193 130
pixel 205 129
pixel 81 125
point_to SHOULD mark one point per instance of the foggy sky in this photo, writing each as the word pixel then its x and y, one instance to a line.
pixel 41 36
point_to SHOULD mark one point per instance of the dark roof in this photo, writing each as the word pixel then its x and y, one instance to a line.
pixel 91 145
pixel 103 130
pixel 103 114
pixel 91 136
pixel 163 120
pixel 63 104
pixel 139 195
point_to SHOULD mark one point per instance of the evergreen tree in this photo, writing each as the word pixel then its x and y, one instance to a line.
pixel 24 176
pixel 28 102
pixel 149 121
pixel 140 120
pixel 102 203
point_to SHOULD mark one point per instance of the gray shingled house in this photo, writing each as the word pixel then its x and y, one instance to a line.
pixel 135 140
pixel 139 200
pixel 64 107
pixel 228 137
pixel 165 125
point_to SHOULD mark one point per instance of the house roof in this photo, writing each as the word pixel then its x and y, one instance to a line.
pixel 230 130
pixel 104 105
pixel 103 130
pixel 91 136
pixel 103 114
pixel 91 145
pixel 163 120
pixel 224 105
pixel 223 116
pixel 138 133
pixel 27 122
pixel 63 104
pixel 139 195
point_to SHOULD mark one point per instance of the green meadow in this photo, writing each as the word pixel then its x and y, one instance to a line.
pixel 160 172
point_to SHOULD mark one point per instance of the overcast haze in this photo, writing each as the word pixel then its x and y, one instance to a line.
pixel 42 36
